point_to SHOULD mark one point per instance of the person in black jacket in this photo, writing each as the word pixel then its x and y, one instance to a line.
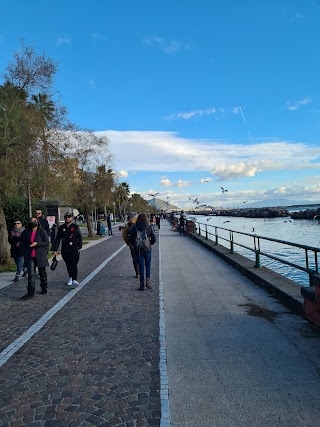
pixel 142 237
pixel 69 235
pixel 34 242
pixel 14 238
pixel 43 221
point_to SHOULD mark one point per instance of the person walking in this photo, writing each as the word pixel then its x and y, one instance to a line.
pixel 142 237
pixel 109 225
pixel 125 234
pixel 14 238
pixel 43 221
pixel 34 243
pixel 158 219
pixel 69 235
pixel 182 222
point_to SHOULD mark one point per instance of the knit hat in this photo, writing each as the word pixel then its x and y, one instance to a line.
pixel 133 217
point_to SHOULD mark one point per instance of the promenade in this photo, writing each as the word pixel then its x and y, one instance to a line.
pixel 96 355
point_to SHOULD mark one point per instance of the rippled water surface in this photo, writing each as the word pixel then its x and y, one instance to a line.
pixel 305 232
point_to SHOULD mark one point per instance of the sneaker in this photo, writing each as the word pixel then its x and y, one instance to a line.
pixel 141 287
pixel 25 272
pixel 148 284
pixel 16 279
pixel 75 283
pixel 27 296
pixel 69 282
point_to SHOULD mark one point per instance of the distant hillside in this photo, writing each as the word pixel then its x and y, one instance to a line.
pixel 161 205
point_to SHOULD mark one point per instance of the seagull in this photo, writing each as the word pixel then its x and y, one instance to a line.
pixel 153 195
pixel 223 189
pixel 245 201
pixel 316 216
pixel 195 200
pixel 225 222
pixel 253 229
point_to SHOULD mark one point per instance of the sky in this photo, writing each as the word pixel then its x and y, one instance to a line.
pixel 192 95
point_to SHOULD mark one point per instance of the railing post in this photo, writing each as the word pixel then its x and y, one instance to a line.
pixel 257 252
pixel 257 264
pixel 206 231
pixel 231 243
pixel 216 234
pixel 199 229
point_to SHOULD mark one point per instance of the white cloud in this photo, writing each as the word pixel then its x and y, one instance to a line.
pixel 98 36
pixel 122 174
pixel 167 152
pixel 190 114
pixel 294 105
pixel 167 46
pixel 166 183
pixel 183 184
pixel 63 39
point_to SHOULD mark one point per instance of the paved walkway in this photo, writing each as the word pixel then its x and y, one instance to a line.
pixel 236 357
pixel 92 356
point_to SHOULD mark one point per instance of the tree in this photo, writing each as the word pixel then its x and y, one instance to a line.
pixel 27 73
pixel 121 195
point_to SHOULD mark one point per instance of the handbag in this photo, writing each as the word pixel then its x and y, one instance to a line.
pixel 54 263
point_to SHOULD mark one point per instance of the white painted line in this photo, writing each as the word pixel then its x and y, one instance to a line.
pixel 19 342
pixel 164 386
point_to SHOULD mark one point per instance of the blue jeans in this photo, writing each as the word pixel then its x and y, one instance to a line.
pixel 19 262
pixel 144 260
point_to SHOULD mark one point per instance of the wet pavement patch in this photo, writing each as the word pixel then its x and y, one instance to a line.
pixel 257 311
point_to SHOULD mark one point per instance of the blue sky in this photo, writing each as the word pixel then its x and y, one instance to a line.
pixel 193 95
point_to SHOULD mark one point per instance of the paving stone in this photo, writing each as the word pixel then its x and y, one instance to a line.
pixel 96 359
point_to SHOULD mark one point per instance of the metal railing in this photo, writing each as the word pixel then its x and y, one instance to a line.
pixel 211 232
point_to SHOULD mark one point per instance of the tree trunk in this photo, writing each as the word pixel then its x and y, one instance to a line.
pixel 89 224
pixel 4 245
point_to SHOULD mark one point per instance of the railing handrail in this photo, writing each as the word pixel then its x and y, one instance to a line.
pixel 257 250
pixel 298 245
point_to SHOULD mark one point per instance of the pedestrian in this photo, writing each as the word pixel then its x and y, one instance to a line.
pixel 14 239
pixel 53 234
pixel 109 225
pixel 43 221
pixel 69 235
pixel 182 222
pixel 35 242
pixel 158 221
pixel 125 234
pixel 142 237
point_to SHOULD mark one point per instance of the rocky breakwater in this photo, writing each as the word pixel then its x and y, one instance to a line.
pixel 257 213
pixel 307 214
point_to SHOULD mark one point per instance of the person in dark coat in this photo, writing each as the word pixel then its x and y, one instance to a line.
pixel 109 225
pixel 143 255
pixel 42 220
pixel 69 235
pixel 14 239
pixel 182 222
pixel 125 234
pixel 35 242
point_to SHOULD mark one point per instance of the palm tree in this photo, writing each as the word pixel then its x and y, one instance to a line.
pixel 122 193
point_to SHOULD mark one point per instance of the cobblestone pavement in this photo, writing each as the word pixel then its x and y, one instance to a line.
pixel 96 362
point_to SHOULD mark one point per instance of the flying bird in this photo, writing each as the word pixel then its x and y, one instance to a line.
pixel 195 200
pixel 245 201
pixel 225 222
pixel 153 195
pixel 223 189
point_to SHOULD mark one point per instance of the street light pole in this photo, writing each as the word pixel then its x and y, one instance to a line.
pixel 130 207
pixel 114 213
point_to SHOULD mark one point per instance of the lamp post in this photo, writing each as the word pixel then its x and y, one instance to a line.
pixel 130 207
pixel 114 213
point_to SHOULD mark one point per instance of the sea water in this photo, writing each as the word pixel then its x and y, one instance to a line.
pixel 304 232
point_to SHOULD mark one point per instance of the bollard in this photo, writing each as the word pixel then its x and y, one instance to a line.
pixel 257 264
pixel 216 233
pixel 206 231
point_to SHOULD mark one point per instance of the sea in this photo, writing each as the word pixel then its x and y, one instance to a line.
pixel 304 232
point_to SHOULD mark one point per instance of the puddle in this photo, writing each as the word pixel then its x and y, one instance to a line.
pixel 257 311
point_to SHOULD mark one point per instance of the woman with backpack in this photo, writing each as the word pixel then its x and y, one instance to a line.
pixel 142 237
